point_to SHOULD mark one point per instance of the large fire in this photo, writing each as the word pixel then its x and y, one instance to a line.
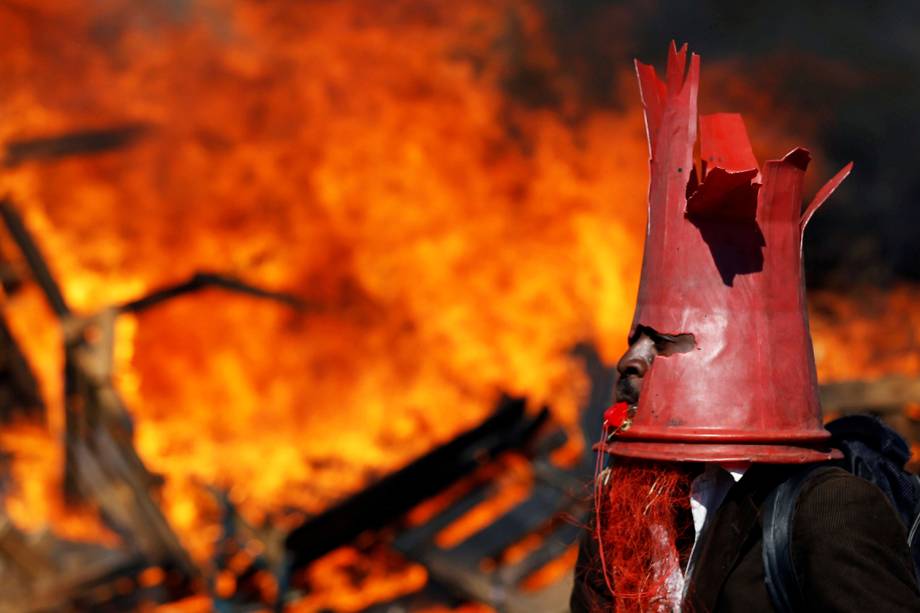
pixel 448 241
pixel 448 238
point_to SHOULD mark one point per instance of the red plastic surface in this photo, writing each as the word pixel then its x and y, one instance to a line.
pixel 723 263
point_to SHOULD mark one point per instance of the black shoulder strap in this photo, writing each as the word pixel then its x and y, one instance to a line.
pixel 779 569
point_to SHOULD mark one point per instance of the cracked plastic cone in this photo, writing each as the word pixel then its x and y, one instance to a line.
pixel 723 262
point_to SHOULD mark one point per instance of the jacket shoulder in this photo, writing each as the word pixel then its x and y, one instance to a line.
pixel 850 548
pixel 835 499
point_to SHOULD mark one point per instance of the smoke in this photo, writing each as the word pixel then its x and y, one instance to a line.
pixel 840 79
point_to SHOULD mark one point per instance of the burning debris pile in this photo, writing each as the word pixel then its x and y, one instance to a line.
pixel 101 468
pixel 103 472
pixel 425 220
pixel 424 216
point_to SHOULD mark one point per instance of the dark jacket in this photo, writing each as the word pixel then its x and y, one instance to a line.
pixel 848 545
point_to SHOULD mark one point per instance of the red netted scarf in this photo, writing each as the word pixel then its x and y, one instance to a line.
pixel 643 526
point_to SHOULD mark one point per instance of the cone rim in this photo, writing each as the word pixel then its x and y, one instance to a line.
pixel 767 453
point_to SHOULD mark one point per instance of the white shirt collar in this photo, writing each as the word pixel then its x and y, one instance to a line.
pixel 707 491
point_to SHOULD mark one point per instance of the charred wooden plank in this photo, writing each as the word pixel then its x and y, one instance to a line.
pixel 420 536
pixel 544 502
pixel 107 475
pixel 477 568
pixel 34 258
pixel 19 395
pixel 14 546
pixel 431 597
pixel 11 275
pixel 204 280
pixel 49 286
pixel 391 497
pixel 556 506
pixel 40 572
pixel 470 583
pixel 553 546
pixel 81 142
pixel 885 395
pixel 101 463
pixel 107 581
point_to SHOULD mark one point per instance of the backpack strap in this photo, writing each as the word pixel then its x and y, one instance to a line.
pixel 778 566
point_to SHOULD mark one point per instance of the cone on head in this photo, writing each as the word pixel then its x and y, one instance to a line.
pixel 723 263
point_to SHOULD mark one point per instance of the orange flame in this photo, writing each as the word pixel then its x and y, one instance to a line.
pixel 867 338
pixel 449 239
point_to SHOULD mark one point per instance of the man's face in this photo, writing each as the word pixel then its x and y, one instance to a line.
pixel 644 347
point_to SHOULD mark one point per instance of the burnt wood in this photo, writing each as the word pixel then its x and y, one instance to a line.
pixel 885 395
pixel 34 258
pixel 19 395
pixel 556 507
pixel 82 142
pixel 41 573
pixel 204 280
pixel 101 463
pixel 392 496
pixel 475 569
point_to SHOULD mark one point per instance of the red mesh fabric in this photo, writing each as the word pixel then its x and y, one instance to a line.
pixel 642 510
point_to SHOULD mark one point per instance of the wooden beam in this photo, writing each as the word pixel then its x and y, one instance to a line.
pixel 34 258
pixel 101 463
pixel 204 280
pixel 19 395
pixel 81 142
pixel 392 496
pixel 885 395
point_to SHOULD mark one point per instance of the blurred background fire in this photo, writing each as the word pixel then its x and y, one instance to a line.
pixel 300 245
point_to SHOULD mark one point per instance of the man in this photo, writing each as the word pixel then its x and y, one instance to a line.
pixel 717 395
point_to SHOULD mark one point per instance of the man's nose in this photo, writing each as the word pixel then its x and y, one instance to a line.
pixel 638 358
